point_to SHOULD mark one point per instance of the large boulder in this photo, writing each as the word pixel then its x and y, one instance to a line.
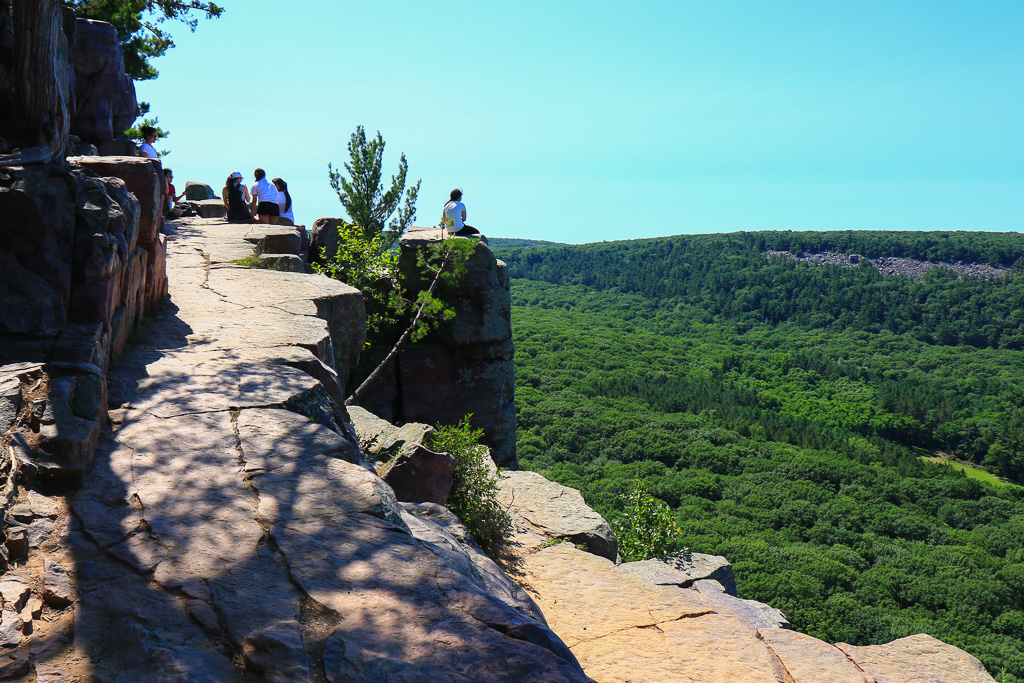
pixel 682 569
pixel 419 475
pixel 544 511
pixel 197 192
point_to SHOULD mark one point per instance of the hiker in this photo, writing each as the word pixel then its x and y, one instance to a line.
pixel 284 202
pixel 236 199
pixel 454 216
pixel 171 199
pixel 149 136
pixel 264 198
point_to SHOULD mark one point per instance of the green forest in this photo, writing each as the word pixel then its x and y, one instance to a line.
pixel 787 413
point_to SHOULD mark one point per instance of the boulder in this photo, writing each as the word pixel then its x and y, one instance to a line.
pixel 543 511
pixel 324 238
pixel 378 436
pixel 276 239
pixel 806 659
pixel 623 628
pixel 751 613
pixel 208 208
pixel 419 475
pixel 197 192
pixel 682 569
pixel 58 591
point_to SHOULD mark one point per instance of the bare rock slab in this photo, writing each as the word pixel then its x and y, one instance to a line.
pixel 917 659
pixel 624 628
pixel 805 659
pixel 544 510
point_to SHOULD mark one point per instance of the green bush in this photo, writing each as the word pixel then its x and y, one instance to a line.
pixel 473 497
pixel 647 528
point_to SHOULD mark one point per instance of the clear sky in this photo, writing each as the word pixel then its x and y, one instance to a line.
pixel 585 121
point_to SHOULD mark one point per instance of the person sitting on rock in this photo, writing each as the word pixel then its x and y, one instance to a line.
pixel 236 199
pixel 149 136
pixel 284 201
pixel 264 198
pixel 171 199
pixel 454 216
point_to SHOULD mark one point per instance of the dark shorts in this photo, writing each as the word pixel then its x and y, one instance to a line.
pixel 268 209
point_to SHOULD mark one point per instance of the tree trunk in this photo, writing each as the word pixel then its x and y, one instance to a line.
pixel 41 100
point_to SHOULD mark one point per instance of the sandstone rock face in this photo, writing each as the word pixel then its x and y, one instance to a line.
pixel 544 511
pixel 465 369
pixel 105 104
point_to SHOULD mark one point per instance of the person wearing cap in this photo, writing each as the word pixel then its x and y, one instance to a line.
pixel 264 198
pixel 236 199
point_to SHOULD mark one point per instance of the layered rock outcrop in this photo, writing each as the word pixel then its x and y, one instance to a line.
pixel 461 369
pixel 229 528
pixel 104 104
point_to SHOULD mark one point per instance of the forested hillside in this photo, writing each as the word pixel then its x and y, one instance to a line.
pixel 784 410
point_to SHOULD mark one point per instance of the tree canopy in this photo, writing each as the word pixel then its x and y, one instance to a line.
pixel 138 26
pixel 363 195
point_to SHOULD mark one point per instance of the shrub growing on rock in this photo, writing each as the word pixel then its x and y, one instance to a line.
pixel 647 528
pixel 473 497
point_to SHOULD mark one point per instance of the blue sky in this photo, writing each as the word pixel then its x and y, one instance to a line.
pixel 587 121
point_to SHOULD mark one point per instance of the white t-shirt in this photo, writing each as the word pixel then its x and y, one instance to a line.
pixel 281 201
pixel 147 150
pixel 453 211
pixel 263 191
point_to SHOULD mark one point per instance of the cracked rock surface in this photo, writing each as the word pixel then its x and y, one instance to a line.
pixel 229 528
pixel 625 626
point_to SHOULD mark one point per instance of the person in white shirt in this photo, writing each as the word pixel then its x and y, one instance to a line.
pixel 264 198
pixel 454 216
pixel 149 136
pixel 284 201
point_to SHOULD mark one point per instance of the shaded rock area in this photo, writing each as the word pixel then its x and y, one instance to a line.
pixel 894 265
pixel 229 527
pixel 104 96
pixel 80 275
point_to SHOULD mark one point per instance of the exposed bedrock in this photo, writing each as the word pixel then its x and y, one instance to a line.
pixel 78 276
pixel 464 368
pixel 228 528
pixel 104 96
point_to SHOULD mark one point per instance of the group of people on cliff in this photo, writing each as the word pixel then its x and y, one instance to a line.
pixel 265 202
